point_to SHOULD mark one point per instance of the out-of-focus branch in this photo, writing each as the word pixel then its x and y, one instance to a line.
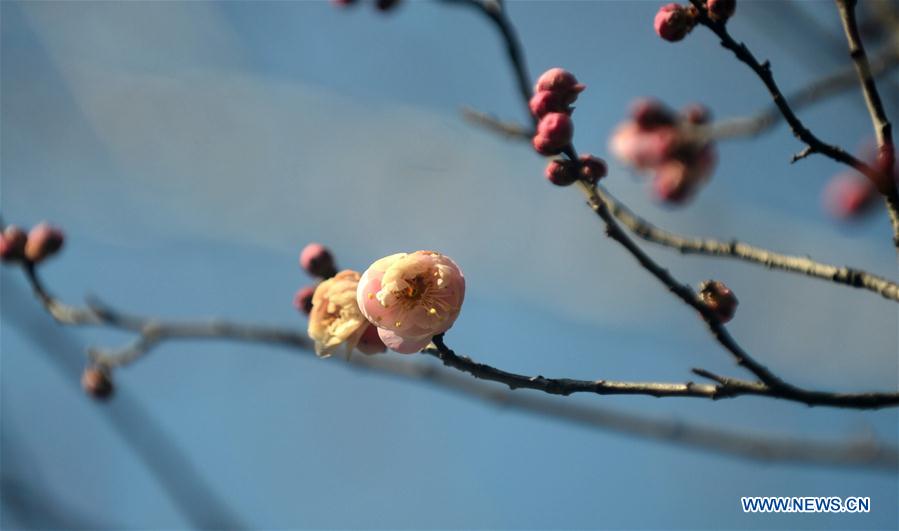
pixel 862 453
pixel 817 91
pixel 495 11
pixel 812 142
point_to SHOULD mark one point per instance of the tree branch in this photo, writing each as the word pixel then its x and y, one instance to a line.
pixel 882 127
pixel 862 453
pixel 848 276
pixel 813 143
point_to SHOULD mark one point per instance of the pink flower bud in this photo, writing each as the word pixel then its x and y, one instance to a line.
pixel 545 102
pixel 302 300
pixel 671 183
pixel 97 382
pixel 673 22
pixel 317 260
pixel 554 133
pixel 697 114
pixel 561 172
pixel 644 148
pixel 411 298
pixel 561 82
pixel 649 113
pixel 12 244
pixel 849 195
pixel 721 10
pixel 592 168
pixel 370 342
pixel 44 241
pixel 343 3
pixel 719 299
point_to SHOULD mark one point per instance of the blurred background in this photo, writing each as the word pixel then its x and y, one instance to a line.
pixel 190 150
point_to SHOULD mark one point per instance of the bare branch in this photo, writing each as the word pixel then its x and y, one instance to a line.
pixel 882 127
pixel 762 121
pixel 848 276
pixel 815 144
pixel 861 453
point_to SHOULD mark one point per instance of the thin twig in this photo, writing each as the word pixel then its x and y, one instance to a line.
pixel 724 387
pixel 819 90
pixel 735 249
pixel 883 130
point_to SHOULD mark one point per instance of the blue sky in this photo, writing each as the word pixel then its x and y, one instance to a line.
pixel 190 149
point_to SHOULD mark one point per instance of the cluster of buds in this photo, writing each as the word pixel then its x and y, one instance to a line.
pixel 674 21
pixel 40 243
pixel 668 145
pixel 555 91
pixel 380 5
pixel 318 262
pixel 718 298
pixel 563 172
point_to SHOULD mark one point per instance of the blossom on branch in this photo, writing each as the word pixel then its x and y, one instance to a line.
pixel 335 320
pixel 411 297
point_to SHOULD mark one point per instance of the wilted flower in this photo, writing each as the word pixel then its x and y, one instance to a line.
pixel 335 320
pixel 411 298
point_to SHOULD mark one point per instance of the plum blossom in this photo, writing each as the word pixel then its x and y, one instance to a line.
pixel 667 145
pixel 411 297
pixel 335 320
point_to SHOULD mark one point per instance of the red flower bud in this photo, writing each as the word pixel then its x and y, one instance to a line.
pixel 317 260
pixel 649 113
pixel 302 300
pixel 719 299
pixel 561 82
pixel 721 10
pixel 12 244
pixel 370 342
pixel 697 114
pixel 554 133
pixel 673 22
pixel 561 172
pixel 97 382
pixel 849 195
pixel 592 168
pixel 545 102
pixel 44 241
